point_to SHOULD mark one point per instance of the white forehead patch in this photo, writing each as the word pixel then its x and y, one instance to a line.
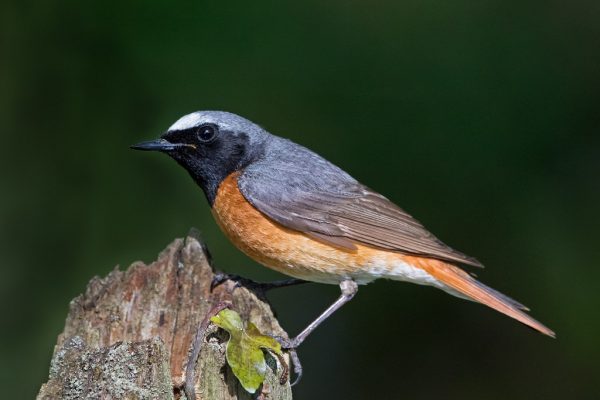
pixel 188 121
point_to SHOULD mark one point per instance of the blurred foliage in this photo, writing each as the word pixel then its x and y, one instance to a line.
pixel 479 117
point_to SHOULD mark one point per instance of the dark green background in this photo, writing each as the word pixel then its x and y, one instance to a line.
pixel 481 118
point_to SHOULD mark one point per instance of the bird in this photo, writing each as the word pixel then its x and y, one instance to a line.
pixel 293 211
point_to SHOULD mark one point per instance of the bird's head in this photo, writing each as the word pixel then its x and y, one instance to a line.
pixel 210 145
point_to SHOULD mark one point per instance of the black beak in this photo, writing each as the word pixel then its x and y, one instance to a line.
pixel 158 145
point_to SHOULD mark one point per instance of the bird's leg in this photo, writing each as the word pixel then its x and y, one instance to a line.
pixel 280 283
pixel 349 289
pixel 262 287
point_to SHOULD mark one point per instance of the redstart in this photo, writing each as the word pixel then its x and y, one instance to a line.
pixel 295 212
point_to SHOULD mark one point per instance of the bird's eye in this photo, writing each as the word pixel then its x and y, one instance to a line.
pixel 206 133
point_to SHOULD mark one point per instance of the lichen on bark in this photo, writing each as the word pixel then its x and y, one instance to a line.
pixel 129 335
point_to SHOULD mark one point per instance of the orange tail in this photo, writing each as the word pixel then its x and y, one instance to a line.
pixel 458 280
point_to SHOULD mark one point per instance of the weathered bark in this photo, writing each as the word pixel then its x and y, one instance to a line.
pixel 129 335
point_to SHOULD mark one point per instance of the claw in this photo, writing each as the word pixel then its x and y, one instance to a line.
pixel 295 361
pixel 282 341
pixel 286 344
pixel 290 346
pixel 221 277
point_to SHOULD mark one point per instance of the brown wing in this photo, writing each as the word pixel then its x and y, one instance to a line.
pixel 374 220
pixel 342 212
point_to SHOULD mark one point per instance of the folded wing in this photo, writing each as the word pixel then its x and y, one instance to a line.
pixel 329 205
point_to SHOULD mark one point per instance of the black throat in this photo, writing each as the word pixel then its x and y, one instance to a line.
pixel 210 184
pixel 209 165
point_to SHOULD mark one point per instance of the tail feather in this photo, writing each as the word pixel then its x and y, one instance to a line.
pixel 502 296
pixel 458 280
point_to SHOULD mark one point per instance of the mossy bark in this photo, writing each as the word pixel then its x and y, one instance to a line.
pixel 129 335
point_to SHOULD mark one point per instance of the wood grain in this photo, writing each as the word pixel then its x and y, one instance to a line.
pixel 129 335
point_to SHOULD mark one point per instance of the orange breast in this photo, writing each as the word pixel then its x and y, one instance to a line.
pixel 288 251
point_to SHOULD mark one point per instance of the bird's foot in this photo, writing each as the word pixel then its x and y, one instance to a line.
pixel 261 287
pixel 289 346
pixel 287 343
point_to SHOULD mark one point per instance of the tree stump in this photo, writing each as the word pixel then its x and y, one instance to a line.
pixel 130 334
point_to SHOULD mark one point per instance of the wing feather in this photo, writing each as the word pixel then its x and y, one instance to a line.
pixel 310 195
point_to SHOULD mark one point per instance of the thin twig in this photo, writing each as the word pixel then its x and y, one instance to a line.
pixel 286 370
pixel 190 368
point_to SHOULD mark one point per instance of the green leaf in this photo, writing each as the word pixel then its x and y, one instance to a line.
pixel 245 349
